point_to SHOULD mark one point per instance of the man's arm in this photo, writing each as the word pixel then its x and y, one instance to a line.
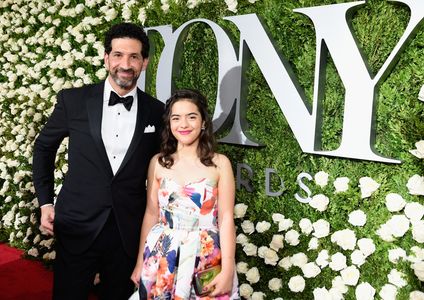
pixel 43 163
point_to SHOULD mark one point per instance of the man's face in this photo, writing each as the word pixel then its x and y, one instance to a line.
pixel 125 63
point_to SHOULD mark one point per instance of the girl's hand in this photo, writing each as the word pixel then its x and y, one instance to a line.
pixel 222 284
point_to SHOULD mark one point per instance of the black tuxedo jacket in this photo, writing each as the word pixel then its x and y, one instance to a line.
pixel 90 191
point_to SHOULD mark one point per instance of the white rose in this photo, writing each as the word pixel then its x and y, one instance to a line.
pixel 341 184
pixel 335 294
pixel 313 244
pixel 242 267
pixel 126 13
pixel 357 257
pixel 66 46
pixel 297 284
pixel 101 74
pixel 310 270
pixel 50 255
pixel 414 211
pixel 415 185
pixel 261 251
pixel 142 15
pixel 418 268
pixel 322 294
pixel 398 224
pixel 338 262
pixel 345 238
pixel 258 296
pixel 242 239
pixel 357 218
pixel 419 151
pixel 416 295
pixel 305 226
pixel 253 275
pixel 319 202
pixel 276 217
pixel 284 225
pixel 385 233
pixel 418 252
pixel 364 291
pixel 396 278
pixel 271 257
pixel 322 259
pixel 292 237
pixel 321 228
pixel 240 210
pixel 338 284
pixel 262 226
pixel 245 290
pixel 421 94
pixel 277 242
pixel 33 252
pixel 192 3
pixel 299 259
pixel 110 14
pixel 388 292
pixel 275 284
pixel 368 186
pixel 79 72
pixel 248 227
pixel 395 202
pixel 231 5
pixel 285 263
pixel 321 178
pixel 350 275
pixel 250 249
pixel 367 246
pixel 418 231
pixel 396 254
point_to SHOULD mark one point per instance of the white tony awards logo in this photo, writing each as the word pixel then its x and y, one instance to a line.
pixel 334 36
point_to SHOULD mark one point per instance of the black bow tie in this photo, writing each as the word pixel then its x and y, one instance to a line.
pixel 127 101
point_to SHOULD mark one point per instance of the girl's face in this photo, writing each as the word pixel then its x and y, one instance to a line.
pixel 185 122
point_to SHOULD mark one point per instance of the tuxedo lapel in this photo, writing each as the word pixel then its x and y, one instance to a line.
pixel 95 111
pixel 143 110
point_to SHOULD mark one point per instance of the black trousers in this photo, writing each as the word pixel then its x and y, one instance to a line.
pixel 74 274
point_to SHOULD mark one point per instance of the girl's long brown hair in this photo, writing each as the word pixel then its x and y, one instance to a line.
pixel 207 144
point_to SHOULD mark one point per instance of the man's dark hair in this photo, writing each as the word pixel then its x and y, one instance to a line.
pixel 127 30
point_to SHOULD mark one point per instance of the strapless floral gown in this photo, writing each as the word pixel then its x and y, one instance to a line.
pixel 185 241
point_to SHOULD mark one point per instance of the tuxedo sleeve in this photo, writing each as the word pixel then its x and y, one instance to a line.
pixel 45 149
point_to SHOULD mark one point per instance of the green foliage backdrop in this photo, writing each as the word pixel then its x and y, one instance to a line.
pixel 36 62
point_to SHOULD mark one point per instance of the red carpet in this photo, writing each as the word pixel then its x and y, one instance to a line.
pixel 24 279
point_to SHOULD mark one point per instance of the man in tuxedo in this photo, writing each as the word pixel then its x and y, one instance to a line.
pixel 114 130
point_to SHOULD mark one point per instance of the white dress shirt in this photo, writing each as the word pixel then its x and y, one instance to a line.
pixel 118 125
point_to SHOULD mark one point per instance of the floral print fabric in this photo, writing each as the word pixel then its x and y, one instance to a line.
pixel 185 240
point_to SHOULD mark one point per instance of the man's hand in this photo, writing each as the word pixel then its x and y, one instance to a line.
pixel 47 218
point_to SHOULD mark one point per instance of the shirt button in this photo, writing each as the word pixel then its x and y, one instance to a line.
pixel 116 135
pixel 114 157
pixel 119 114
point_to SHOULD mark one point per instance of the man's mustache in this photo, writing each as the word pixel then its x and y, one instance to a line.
pixel 126 70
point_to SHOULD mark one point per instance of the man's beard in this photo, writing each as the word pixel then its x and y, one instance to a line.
pixel 123 83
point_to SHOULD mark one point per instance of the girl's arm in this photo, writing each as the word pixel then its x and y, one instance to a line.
pixel 226 193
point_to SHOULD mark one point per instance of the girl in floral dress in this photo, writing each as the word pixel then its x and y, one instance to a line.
pixel 188 225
